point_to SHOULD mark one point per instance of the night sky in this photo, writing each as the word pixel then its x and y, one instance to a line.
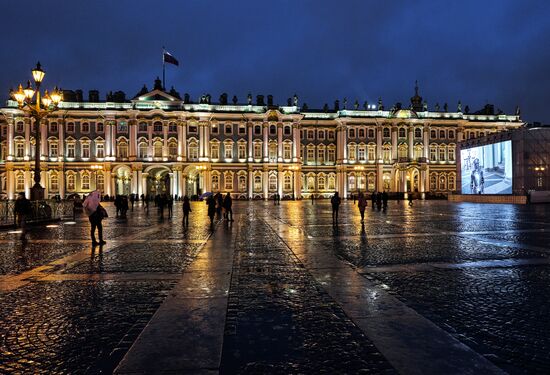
pixel 478 51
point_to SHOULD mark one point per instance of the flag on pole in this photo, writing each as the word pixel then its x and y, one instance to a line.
pixel 168 58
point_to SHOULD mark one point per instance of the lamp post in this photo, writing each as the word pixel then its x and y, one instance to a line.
pixel 40 108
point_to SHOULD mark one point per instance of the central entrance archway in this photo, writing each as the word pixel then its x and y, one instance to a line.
pixel 158 180
pixel 193 183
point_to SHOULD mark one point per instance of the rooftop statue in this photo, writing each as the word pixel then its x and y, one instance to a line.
pixel 249 99
pixel 295 100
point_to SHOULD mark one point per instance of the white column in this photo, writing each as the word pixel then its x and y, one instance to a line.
pixel 280 178
pixel 139 183
pixel 150 140
pixel 394 143
pixel 265 129
pixel 144 183
pixel 165 141
pixel 61 183
pixel 44 183
pixel 11 145
pixel 107 183
pixel 379 177
pixel 134 183
pixel 11 184
pixel 28 141
pixel 250 183
pixel 379 152
pixel 280 145
pixel 133 140
pixel 182 184
pixel 265 185
pixel 411 144
pixel 296 144
pixel 29 183
pixel 426 142
pixel 250 143
pixel 61 144
pixel 108 140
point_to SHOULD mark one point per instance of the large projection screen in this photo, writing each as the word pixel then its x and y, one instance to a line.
pixel 487 169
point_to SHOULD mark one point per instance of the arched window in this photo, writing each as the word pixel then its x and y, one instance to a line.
pixel 386 153
pixel 273 152
pixel 215 150
pixel 228 150
pixel 331 182
pixel 433 182
pixel 85 183
pixel 142 150
pixel 433 134
pixel 433 153
pixel 70 182
pixel 257 130
pixel 442 182
pixel 100 181
pixel 54 184
pixel 257 150
pixel 19 150
pixel 452 182
pixel 418 150
pixel 228 181
pixel 418 133
pixel 272 182
pixel 272 129
pixel 122 149
pixel 371 182
pixel 193 150
pixel 257 183
pixel 351 182
pixel 287 182
pixel 215 182
pixel 311 183
pixel 352 152
pixel 442 156
pixel 402 151
pixel 321 182
pixel 242 183
pixel 157 127
pixel 386 133
pixel 287 151
pixel 402 133
pixel 157 149
pixel 451 153
pixel 172 149
pixel 20 183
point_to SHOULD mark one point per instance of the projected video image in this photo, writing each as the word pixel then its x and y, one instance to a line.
pixel 487 169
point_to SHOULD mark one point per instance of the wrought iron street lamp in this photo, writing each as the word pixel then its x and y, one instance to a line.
pixel 40 107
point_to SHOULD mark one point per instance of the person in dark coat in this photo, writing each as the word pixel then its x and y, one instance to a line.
pixel 211 203
pixel 379 201
pixel 22 209
pixel 373 199
pixel 335 202
pixel 219 205
pixel 227 206
pixel 385 200
pixel 170 204
pixel 118 204
pixel 186 210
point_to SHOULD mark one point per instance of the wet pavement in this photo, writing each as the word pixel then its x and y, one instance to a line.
pixel 282 290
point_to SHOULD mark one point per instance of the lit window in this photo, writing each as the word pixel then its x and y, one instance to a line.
pixel 228 181
pixel 100 150
pixel 70 150
pixel 157 149
pixel 215 151
pixel 86 150
pixel 242 151
pixel 215 183
pixel 157 127
pixel 85 182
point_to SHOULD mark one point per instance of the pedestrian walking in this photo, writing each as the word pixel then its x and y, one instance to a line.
pixel 161 202
pixel 96 213
pixel 312 199
pixel 211 203
pixel 411 199
pixel 379 201
pixel 275 199
pixel 170 205
pixel 123 206
pixel 335 202
pixel 186 210
pixel 219 205
pixel 362 204
pixel 132 200
pixel 22 209
pixel 227 205
pixel 373 199
pixel 118 204
pixel 385 200
pixel 278 199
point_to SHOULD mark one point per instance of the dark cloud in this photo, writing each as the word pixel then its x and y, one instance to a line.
pixel 473 51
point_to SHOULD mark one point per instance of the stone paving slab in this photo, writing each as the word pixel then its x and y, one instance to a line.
pixel 186 333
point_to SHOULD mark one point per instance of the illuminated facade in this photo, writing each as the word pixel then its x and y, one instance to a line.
pixel 158 142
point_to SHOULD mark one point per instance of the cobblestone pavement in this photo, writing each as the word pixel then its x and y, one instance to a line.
pixel 498 308
pixel 279 319
pixel 479 272
pixel 68 322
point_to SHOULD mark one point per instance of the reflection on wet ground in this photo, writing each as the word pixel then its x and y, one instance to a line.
pixel 479 272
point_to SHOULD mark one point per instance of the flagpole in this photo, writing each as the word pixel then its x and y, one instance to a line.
pixel 163 70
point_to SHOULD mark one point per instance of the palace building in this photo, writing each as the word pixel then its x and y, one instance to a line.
pixel 158 142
